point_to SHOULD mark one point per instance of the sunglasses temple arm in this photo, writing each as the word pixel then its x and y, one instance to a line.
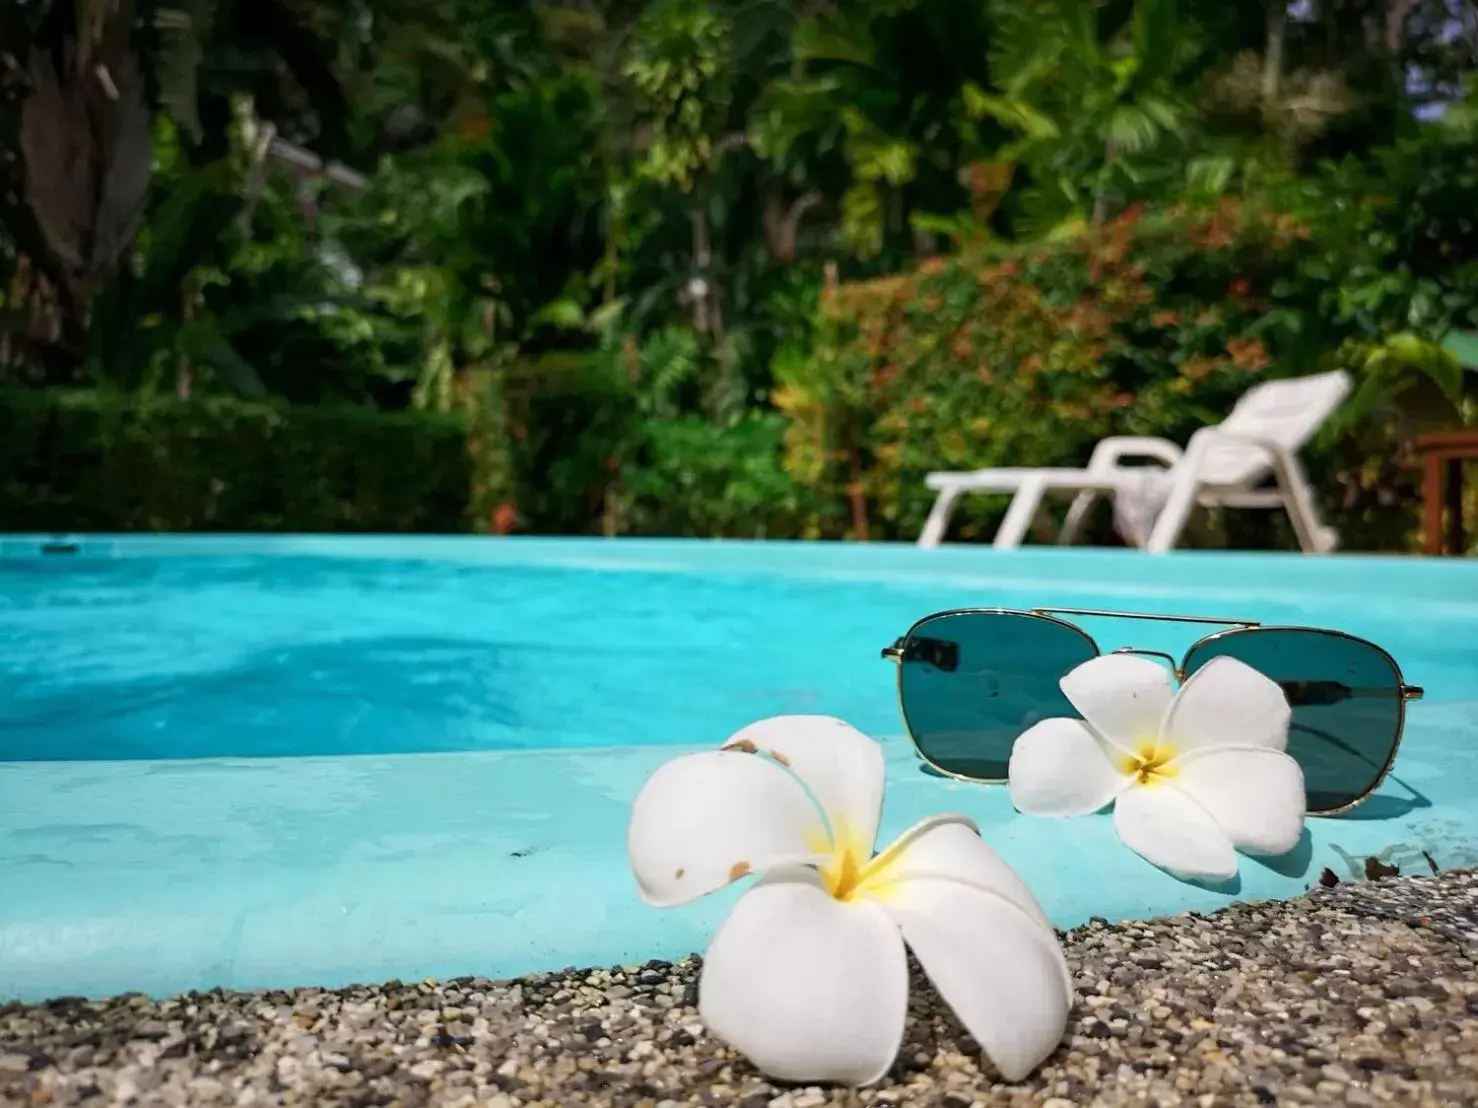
pixel 1306 694
pixel 1383 692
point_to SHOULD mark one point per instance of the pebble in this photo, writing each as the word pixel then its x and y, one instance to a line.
pixel 1362 994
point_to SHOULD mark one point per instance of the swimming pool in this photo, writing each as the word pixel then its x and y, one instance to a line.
pixel 278 761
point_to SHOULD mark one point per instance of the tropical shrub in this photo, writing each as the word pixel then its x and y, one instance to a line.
pixel 699 479
pixel 607 442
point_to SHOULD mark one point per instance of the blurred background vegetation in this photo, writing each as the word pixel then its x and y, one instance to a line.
pixel 711 269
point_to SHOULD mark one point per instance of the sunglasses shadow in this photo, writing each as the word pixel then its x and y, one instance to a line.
pixel 1378 807
pixel 1296 862
pixel 1381 806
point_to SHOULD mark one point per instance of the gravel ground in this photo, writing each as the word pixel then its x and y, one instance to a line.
pixel 1355 995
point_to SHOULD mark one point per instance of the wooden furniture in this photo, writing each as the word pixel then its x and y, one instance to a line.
pixel 1443 454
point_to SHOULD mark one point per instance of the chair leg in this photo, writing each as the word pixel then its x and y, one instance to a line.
pixel 938 522
pixel 1077 516
pixel 1019 516
pixel 1170 523
pixel 1303 513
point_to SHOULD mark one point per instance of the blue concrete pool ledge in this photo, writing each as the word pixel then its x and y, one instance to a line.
pixel 175 875
pixel 249 761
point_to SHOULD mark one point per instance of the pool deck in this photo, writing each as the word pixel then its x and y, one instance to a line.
pixel 275 873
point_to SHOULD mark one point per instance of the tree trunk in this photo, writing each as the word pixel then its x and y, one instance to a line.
pixel 698 291
pixel 857 497
pixel 782 224
pixel 185 371
pixel 1272 58
pixel 1100 197
pixel 1396 25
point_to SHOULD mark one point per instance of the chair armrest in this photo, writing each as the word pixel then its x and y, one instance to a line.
pixel 1110 451
pixel 1276 450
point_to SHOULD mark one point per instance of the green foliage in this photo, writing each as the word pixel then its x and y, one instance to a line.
pixel 596 234
pixel 569 416
pixel 102 461
pixel 607 442
pixel 698 479
pixel 1406 375
pixel 676 68
pixel 872 110
pixel 1398 238
pixel 1097 108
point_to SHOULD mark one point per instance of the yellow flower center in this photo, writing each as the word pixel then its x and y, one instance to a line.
pixel 1149 764
pixel 852 869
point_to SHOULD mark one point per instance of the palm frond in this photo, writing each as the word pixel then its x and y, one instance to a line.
pixel 834 38
pixel 86 144
pixel 126 142
pixel 1132 130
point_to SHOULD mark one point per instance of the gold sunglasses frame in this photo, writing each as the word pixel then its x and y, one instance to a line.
pixel 1229 627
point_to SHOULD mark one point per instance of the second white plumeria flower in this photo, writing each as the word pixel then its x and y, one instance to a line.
pixel 1194 775
pixel 807 976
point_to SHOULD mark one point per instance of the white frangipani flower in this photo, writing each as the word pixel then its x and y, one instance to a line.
pixel 1194 775
pixel 807 976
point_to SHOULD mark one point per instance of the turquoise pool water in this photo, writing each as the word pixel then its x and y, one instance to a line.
pixel 254 762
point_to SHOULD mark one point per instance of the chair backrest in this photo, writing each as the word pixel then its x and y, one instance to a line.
pixel 1288 411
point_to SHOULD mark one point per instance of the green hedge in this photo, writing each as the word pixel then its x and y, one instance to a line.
pixel 98 461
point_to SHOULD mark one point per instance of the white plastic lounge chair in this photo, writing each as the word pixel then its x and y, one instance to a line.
pixel 1224 466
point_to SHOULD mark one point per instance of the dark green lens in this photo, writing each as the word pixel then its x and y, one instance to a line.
pixel 971 682
pixel 1346 700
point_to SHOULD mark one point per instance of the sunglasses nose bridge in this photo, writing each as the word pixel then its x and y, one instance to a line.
pixel 1174 665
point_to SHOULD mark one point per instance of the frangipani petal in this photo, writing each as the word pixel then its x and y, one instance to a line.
pixel 1228 703
pixel 703 820
pixel 950 846
pixel 809 988
pixel 1059 767
pixel 841 766
pixel 1167 828
pixel 1256 795
pixel 1122 696
pixel 994 964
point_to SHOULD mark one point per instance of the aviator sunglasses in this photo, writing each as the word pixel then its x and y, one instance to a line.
pixel 971 680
